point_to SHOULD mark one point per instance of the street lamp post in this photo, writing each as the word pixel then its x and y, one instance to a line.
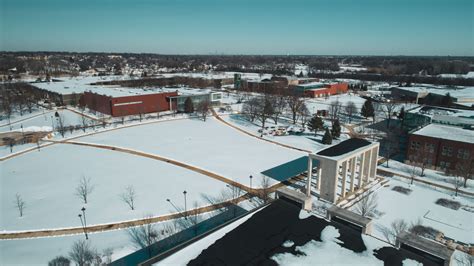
pixel 85 223
pixel 250 177
pixel 185 205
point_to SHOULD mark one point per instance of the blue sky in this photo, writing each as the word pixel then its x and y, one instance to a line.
pixel 321 27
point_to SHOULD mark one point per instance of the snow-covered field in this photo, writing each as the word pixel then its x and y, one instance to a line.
pixel 38 251
pixel 315 104
pixel 47 180
pixel 420 204
pixel 47 119
pixel 308 142
pixel 210 145
pixel 430 175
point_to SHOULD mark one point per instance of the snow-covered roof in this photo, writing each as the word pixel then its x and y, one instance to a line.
pixel 446 132
pixel 459 93
pixel 81 84
pixel 432 111
pixel 311 84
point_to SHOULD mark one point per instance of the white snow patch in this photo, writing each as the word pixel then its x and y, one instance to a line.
pixel 327 252
pixel 288 244
pixel 304 214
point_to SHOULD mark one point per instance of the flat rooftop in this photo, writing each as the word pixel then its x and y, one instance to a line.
pixel 344 147
pixel 81 84
pixel 281 234
pixel 460 93
pixel 446 132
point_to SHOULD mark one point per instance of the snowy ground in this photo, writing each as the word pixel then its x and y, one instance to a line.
pixel 47 180
pixel 420 204
pixel 47 119
pixel 210 145
pixel 39 251
pixel 15 116
pixel 329 252
pixel 308 141
pixel 322 103
pixel 430 175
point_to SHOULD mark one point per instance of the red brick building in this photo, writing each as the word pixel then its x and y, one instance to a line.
pixel 128 105
pixel 318 89
pixel 440 146
pixel 327 90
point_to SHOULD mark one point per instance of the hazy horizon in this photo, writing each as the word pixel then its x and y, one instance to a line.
pixel 240 27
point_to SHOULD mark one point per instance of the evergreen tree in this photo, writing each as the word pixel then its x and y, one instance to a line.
pixel 401 114
pixel 367 109
pixel 336 129
pixel 300 75
pixel 315 124
pixel 327 138
pixel 188 105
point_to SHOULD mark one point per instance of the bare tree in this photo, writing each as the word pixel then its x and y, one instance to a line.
pixel 458 181
pixel 19 204
pixel 396 227
pixel 295 102
pixel 82 253
pixel 84 189
pixel 265 111
pixel 391 145
pixel 144 236
pixel 250 108
pixel 412 172
pixel 465 169
pixel 351 109
pixel 279 105
pixel 203 108
pixel 264 191
pixel 128 196
pixel 304 114
pixel 389 108
pixel 421 157
pixel 61 125
pixel 334 110
pixel 83 121
pixel 367 206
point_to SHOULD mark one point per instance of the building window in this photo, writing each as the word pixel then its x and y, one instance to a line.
pixel 415 145
pixel 463 154
pixel 447 151
pixel 430 147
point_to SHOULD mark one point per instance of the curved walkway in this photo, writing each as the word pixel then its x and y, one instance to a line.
pixel 166 160
pixel 118 225
pixel 255 136
pixel 131 223
pixel 52 142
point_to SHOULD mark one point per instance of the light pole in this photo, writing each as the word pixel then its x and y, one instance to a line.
pixel 250 177
pixel 22 134
pixel 85 223
pixel 185 205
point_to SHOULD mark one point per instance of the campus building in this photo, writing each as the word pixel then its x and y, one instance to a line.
pixel 441 146
pixel 319 89
pixel 128 105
